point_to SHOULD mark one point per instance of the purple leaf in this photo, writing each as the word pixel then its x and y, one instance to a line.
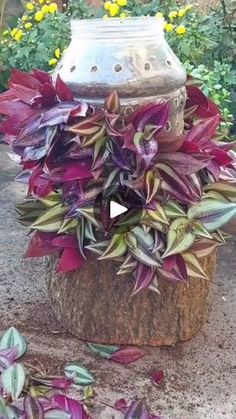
pixel 70 170
pixel 128 355
pixel 205 108
pixel 147 149
pixel 38 247
pixel 4 363
pixel 178 186
pixel 174 269
pixel 24 79
pixel 65 240
pixel 158 377
pixel 71 259
pixel 63 91
pixel 59 114
pixel 33 408
pixel 62 383
pixel 138 410
pixel 204 130
pixel 42 76
pixel 10 353
pixel 184 163
pixel 8 357
pixel 150 114
pixel 69 405
pixel 121 405
pixel 144 276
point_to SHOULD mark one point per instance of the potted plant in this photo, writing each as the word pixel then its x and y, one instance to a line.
pixel 122 128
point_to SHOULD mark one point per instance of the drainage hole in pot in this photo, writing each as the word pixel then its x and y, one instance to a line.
pixel 94 69
pixel 128 110
pixel 168 126
pixel 147 66
pixel 72 68
pixel 182 100
pixel 168 63
pixel 176 102
pixel 117 68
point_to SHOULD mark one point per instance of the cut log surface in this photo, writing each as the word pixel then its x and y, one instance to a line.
pixel 94 304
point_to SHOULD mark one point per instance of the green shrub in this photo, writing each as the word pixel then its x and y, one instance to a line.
pixel 36 41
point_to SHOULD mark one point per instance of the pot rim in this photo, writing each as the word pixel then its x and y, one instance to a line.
pixel 130 27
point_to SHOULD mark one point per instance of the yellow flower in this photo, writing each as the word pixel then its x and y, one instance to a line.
pixel 188 7
pixel 52 8
pixel 24 18
pixel 122 3
pixel 114 9
pixel 182 12
pixel 123 15
pixel 29 6
pixel 168 27
pixel 41 1
pixel 159 15
pixel 45 9
pixel 181 30
pixel 38 16
pixel 13 32
pixel 57 53
pixel 19 34
pixel 107 5
pixel 28 25
pixel 105 17
pixel 173 14
pixel 52 62
pixel 5 33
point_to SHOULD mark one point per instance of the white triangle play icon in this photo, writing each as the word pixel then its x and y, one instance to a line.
pixel 116 209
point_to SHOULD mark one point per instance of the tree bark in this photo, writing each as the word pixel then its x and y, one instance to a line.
pixel 95 305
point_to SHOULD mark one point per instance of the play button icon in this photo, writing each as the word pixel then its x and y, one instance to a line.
pixel 116 209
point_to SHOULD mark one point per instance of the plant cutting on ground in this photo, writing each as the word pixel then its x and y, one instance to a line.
pixel 71 152
pixel 26 393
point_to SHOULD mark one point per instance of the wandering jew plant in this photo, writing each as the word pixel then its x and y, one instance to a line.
pixel 71 152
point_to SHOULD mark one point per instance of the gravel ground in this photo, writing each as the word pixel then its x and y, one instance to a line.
pixel 200 374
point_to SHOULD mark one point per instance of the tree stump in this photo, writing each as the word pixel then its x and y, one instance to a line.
pixel 94 304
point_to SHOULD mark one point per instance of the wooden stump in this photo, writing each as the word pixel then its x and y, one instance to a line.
pixel 94 304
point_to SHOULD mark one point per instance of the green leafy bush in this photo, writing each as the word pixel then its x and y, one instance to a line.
pixel 217 83
pixel 36 41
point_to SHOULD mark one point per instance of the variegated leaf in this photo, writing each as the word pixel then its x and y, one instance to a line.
pixel 117 247
pixel 203 247
pixel 51 219
pixel 78 373
pixel 173 210
pixel 131 240
pixel 152 183
pixel 179 237
pixel 127 266
pixel 51 200
pixel 68 225
pixel 212 214
pixel 145 256
pixel 158 215
pixel 194 267
pixel 12 338
pixel 104 351
pixel 228 190
pixel 13 380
